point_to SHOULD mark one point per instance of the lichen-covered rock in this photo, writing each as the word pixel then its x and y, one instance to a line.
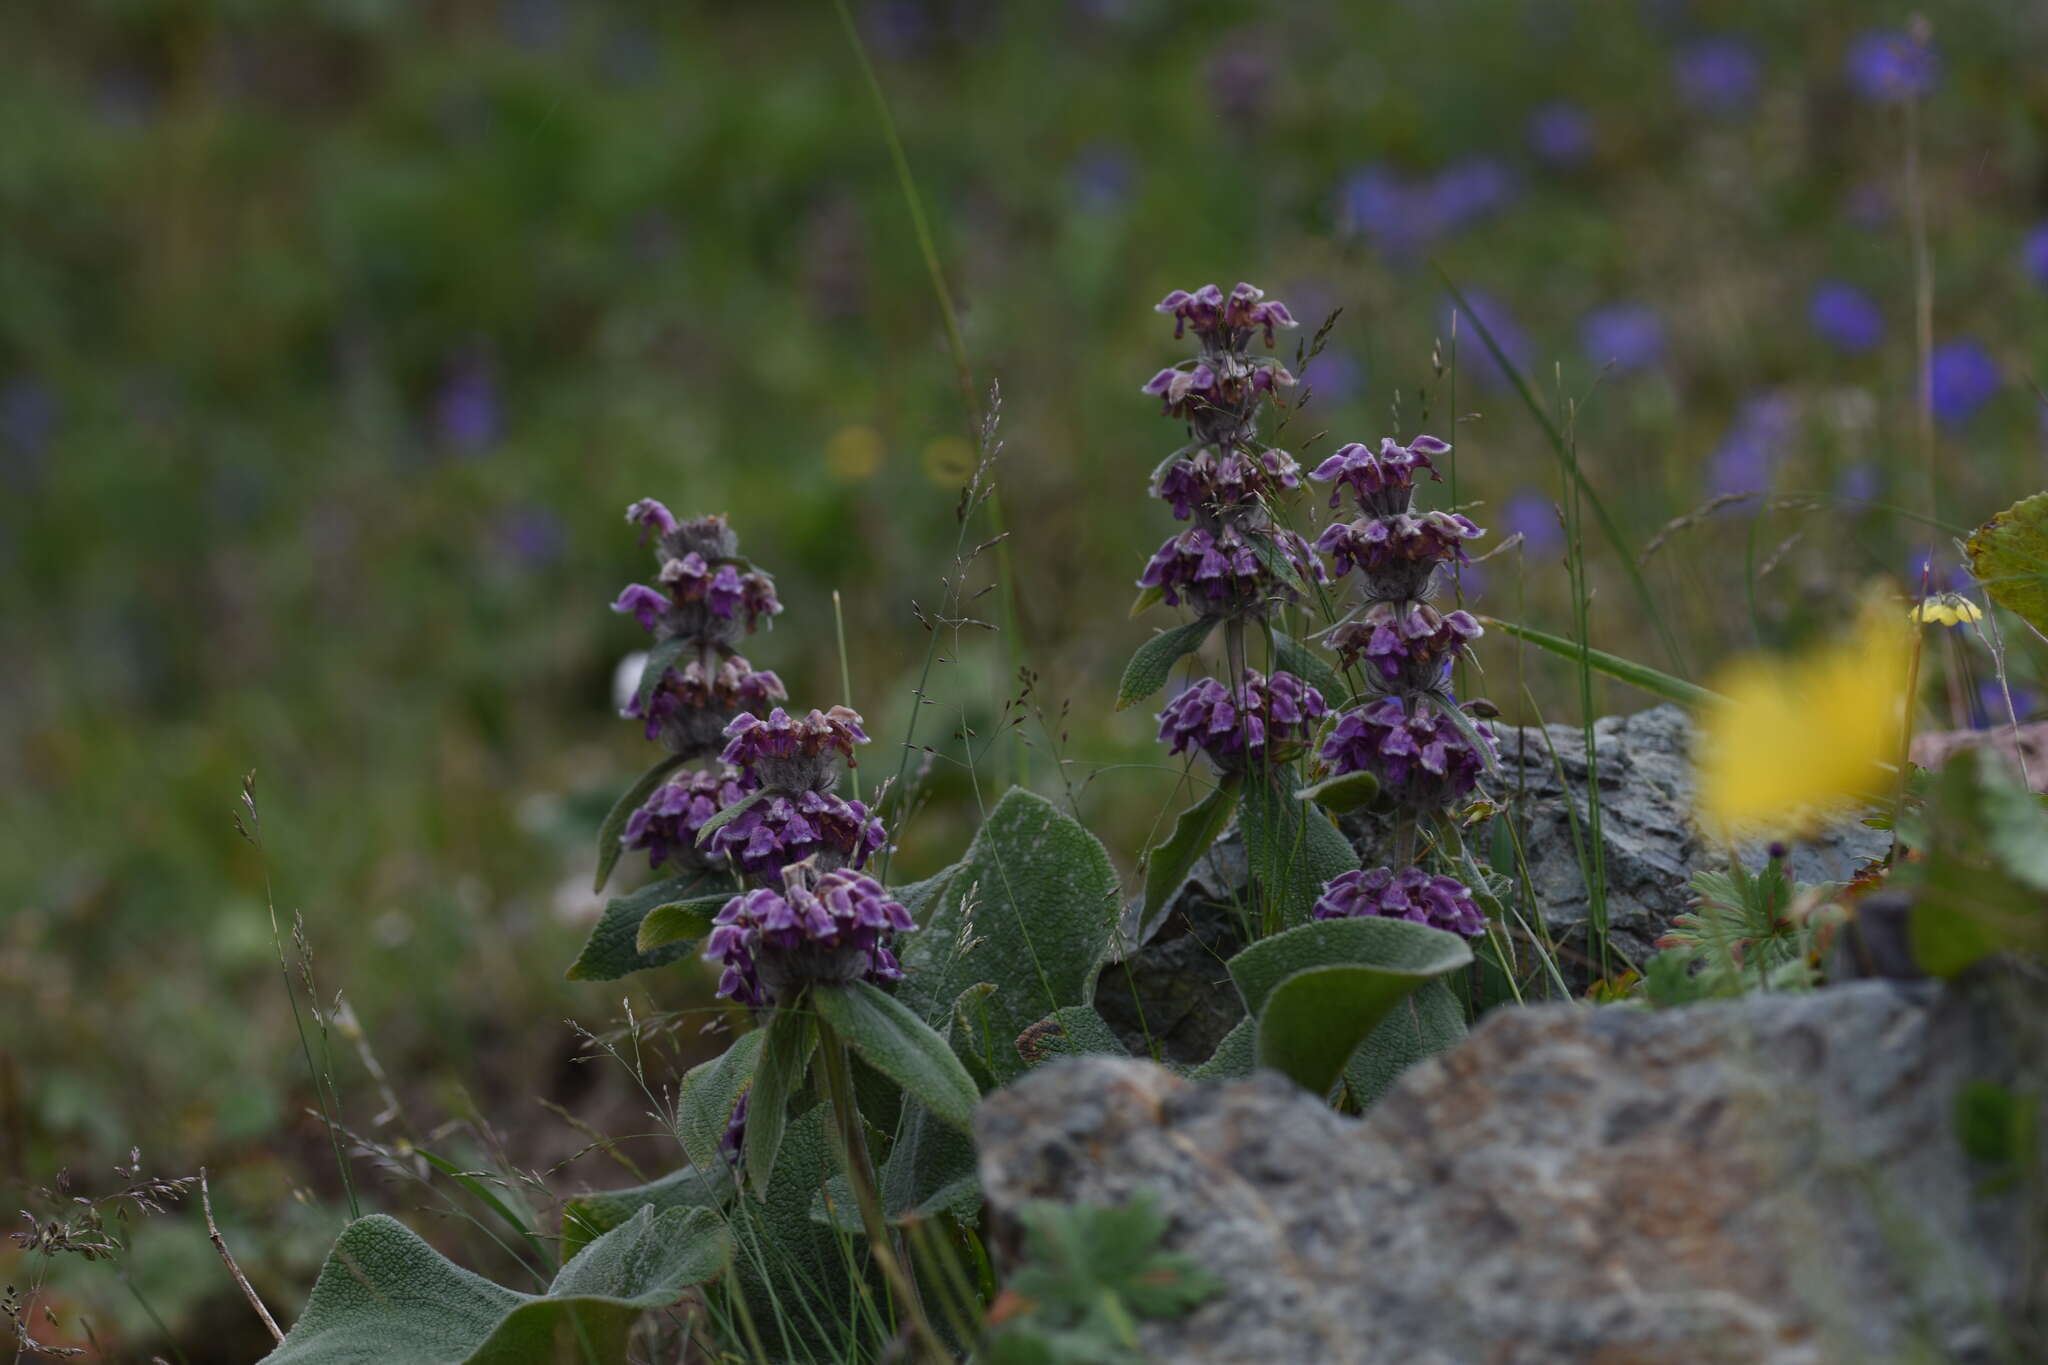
pixel 1778 1180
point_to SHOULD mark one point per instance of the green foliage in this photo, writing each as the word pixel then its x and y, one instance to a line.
pixel 709 1094
pixel 789 1038
pixel 1737 938
pixel 613 950
pixel 677 922
pixel 2009 556
pixel 1071 1031
pixel 1292 656
pixel 1235 1055
pixel 889 1037
pixel 1152 665
pixel 930 1169
pixel 1343 794
pixel 1429 1021
pixel 1654 681
pixel 1168 865
pixel 1291 848
pixel 589 1216
pixel 387 1298
pixel 1319 991
pixel 614 827
pixel 1030 908
pixel 1090 1274
pixel 1980 885
pixel 1999 1129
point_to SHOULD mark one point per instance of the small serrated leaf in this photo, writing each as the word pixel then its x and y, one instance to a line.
pixel 1168 865
pixel 611 951
pixel 790 1037
pixel 1146 600
pixel 1339 795
pixel 889 1037
pixel 614 826
pixel 2009 556
pixel 681 921
pixel 1152 665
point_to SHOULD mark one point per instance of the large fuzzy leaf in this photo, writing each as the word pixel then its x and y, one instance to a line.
pixel 612 950
pixel 590 1216
pixel 787 1041
pixel 1072 1031
pixel 1153 664
pixel 1426 1023
pixel 1168 865
pixel 676 922
pixel 608 833
pixel 2009 556
pixel 1291 848
pixel 1042 899
pixel 931 1169
pixel 385 1297
pixel 892 1039
pixel 1318 991
pixel 1233 1057
pixel 709 1094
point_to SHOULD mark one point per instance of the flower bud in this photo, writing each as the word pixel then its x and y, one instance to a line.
pixel 1382 481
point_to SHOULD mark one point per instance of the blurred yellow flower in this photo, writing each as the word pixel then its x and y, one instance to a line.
pixel 1946 609
pixel 1794 740
pixel 949 461
pixel 854 453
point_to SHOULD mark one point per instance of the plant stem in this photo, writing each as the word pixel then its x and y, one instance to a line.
pixel 860 1174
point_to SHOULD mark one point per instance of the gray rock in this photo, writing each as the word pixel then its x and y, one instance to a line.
pixel 1773 1180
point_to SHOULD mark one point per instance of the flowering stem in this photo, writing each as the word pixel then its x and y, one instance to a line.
pixel 860 1174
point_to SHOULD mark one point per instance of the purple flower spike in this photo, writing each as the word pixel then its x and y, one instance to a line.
pixel 1207 482
pixel 1219 572
pixel 1411 894
pixel 820 928
pixel 1419 756
pixel 690 707
pixel 1398 555
pixel 1264 718
pixel 666 826
pixel 1224 324
pixel 1382 480
pixel 1406 643
pixel 780 829
pixel 794 755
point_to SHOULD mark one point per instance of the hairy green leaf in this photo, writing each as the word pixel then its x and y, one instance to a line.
pixel 2009 556
pixel 1234 1056
pixel 612 950
pixel 1426 1023
pixel 1153 664
pixel 890 1037
pixel 708 1095
pixel 1031 908
pixel 385 1297
pixel 1291 848
pixel 1168 865
pixel 1393 945
pixel 614 826
pixel 589 1216
pixel 789 1038
pixel 1338 795
pixel 678 921
pixel 1072 1031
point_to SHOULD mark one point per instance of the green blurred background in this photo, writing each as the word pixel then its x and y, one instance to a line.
pixel 337 335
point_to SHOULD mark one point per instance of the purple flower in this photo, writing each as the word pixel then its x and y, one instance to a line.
pixel 1860 482
pixel 1412 894
pixel 1219 571
pixel 794 755
pixel 666 826
pixel 1262 719
pixel 645 605
pixel 1887 66
pixel 1418 755
pixel 732 1143
pixel 1399 554
pixel 1532 515
pixel 1101 178
pixel 1224 323
pixel 1629 336
pixel 1560 133
pixel 712 595
pixel 1743 462
pixel 1401 216
pixel 1383 480
pixel 820 928
pixel 2034 255
pixel 466 412
pixel 1207 482
pixel 1717 75
pixel 1409 644
pixel 781 829
pixel 1335 375
pixel 1988 710
pixel 651 516
pixel 1962 377
pixel 691 706
pixel 1845 317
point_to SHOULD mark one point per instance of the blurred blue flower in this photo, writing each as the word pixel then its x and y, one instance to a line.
pixel 1717 75
pixel 532 535
pixel 1471 579
pixel 1335 375
pixel 1628 336
pixel 1400 216
pixel 28 421
pixel 1988 709
pixel 1474 356
pixel 1468 190
pixel 1755 441
pixel 1962 377
pixel 1860 482
pixel 466 411
pixel 1845 317
pixel 2034 255
pixel 1530 514
pixel 1888 66
pixel 1102 177
pixel 1560 133
pixel 1924 573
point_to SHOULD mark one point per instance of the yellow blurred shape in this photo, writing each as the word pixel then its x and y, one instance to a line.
pixel 1794 740
pixel 949 461
pixel 854 453
pixel 1947 609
